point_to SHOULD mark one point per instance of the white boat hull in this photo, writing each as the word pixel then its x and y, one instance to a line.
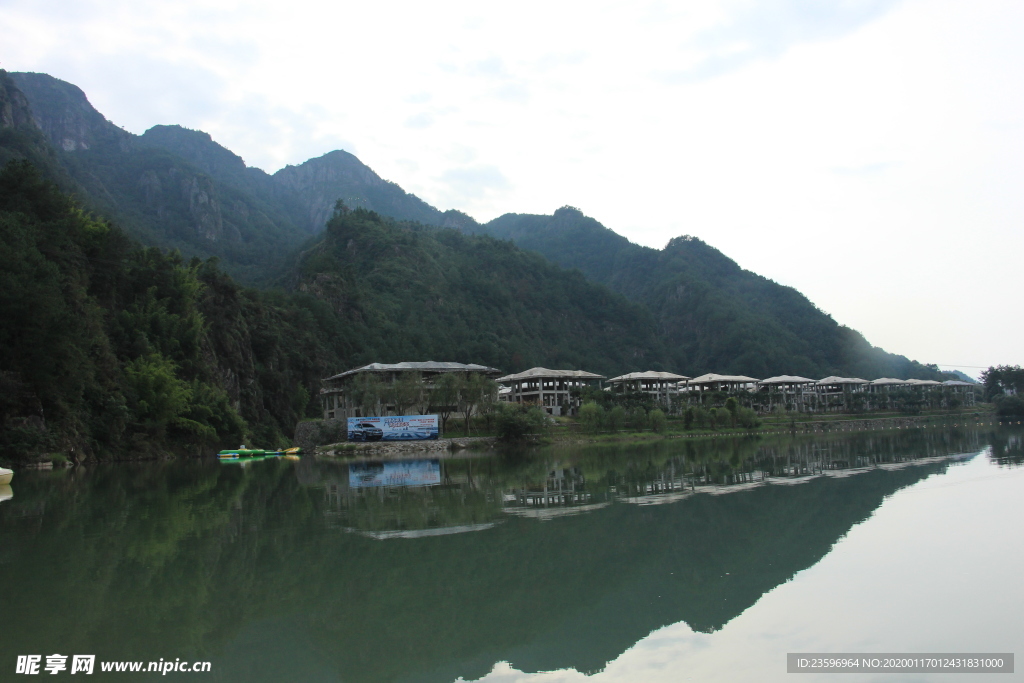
pixel 5 476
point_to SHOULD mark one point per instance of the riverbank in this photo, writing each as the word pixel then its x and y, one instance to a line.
pixel 571 432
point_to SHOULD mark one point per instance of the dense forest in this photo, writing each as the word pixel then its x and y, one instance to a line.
pixel 408 291
pixel 128 331
pixel 719 317
pixel 112 349
pixel 177 188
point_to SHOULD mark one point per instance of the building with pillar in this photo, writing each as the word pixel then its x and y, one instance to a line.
pixel 556 391
pixel 339 399
pixel 794 393
pixel 663 387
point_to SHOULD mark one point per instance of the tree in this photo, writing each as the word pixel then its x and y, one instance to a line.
pixel 516 421
pixel 616 418
pixel 444 396
pixel 406 391
pixel 637 417
pixel 473 388
pixel 1003 379
pixel 367 392
pixel 592 416
pixel 732 405
pixel 657 419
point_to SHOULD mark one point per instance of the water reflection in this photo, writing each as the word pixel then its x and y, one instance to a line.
pixel 1008 448
pixel 546 559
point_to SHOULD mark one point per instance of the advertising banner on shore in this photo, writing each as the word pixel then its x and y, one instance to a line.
pixel 394 428
pixel 394 473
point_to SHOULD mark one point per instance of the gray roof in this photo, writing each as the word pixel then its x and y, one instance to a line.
pixel 712 377
pixel 887 381
pixel 786 379
pixel 425 366
pixel 958 383
pixel 544 372
pixel 650 374
pixel 842 380
pixel 924 383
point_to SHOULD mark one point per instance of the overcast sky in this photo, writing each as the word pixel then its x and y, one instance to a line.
pixel 867 152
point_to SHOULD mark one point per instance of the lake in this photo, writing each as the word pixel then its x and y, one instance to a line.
pixel 685 559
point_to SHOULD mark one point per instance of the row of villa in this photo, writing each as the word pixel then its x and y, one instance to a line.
pixel 558 391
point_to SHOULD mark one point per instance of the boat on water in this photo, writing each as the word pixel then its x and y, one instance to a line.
pixel 6 493
pixel 6 476
pixel 243 452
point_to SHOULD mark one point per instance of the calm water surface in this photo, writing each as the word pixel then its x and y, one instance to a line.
pixel 681 560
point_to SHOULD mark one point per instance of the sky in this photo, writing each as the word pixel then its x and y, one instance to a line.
pixel 866 152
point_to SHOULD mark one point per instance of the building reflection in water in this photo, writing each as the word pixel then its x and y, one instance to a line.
pixel 440 496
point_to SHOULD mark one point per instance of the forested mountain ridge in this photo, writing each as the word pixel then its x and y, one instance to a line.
pixel 380 285
pixel 408 291
pixel 178 189
pixel 712 314
pixel 110 350
pixel 20 135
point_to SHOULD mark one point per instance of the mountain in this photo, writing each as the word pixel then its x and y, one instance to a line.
pixel 20 135
pixel 404 291
pixel 178 189
pixel 712 314
pixel 109 350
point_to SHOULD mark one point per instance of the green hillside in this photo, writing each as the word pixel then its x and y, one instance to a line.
pixel 713 316
pixel 99 325
pixel 178 189
pixel 111 350
pixel 415 292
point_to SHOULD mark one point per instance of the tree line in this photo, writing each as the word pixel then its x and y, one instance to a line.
pixel 1004 387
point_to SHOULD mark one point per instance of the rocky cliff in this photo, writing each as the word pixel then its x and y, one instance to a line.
pixel 63 112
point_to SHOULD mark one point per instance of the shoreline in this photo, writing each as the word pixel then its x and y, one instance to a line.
pixel 835 425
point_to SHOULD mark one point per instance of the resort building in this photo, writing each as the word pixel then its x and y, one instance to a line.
pixel 883 389
pixel 964 390
pixel 924 383
pixel 348 394
pixel 840 393
pixel 698 386
pixel 662 386
pixel 790 391
pixel 556 391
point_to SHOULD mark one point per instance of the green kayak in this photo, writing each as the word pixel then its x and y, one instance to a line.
pixel 243 453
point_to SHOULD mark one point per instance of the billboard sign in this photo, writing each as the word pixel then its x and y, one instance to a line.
pixel 395 428
pixel 394 473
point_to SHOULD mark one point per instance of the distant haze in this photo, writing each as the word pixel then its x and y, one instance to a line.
pixel 867 152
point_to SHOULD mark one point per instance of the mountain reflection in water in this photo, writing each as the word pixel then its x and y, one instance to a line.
pixel 552 558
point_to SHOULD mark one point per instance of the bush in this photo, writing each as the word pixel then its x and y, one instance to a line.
pixel 592 416
pixel 657 420
pixel 747 418
pixel 616 418
pixel 515 421
pixel 637 419
pixel 1009 406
